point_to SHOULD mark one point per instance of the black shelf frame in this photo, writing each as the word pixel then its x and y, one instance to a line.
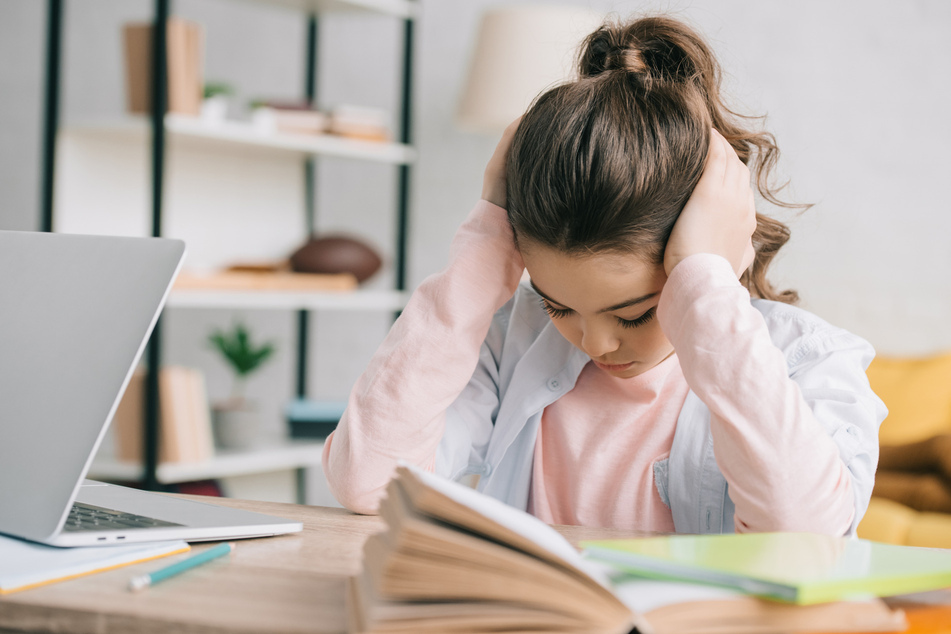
pixel 159 85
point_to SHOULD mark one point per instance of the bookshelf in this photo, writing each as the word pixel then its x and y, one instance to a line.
pixel 194 133
pixel 168 137
pixel 384 301
pixel 395 8
pixel 274 454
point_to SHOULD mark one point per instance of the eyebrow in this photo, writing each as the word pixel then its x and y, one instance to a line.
pixel 625 304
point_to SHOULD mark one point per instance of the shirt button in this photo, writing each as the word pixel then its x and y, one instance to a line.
pixel 486 469
pixel 553 385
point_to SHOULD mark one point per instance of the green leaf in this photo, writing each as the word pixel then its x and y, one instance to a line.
pixel 238 350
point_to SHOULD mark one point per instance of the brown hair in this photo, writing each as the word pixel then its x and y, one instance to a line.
pixel 607 162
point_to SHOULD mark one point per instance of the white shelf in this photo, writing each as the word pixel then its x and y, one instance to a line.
pixel 196 132
pixel 277 455
pixel 398 8
pixel 384 300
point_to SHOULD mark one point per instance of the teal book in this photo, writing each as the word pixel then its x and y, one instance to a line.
pixel 800 568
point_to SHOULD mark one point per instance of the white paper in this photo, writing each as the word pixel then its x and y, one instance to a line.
pixel 520 522
pixel 25 563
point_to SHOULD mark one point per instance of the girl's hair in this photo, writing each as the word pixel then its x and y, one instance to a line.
pixel 607 162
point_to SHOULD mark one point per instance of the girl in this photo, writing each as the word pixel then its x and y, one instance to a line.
pixel 632 382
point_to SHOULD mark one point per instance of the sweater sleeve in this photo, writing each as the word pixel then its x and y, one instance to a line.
pixel 783 469
pixel 396 410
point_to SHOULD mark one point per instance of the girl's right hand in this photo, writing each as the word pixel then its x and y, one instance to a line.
pixel 493 183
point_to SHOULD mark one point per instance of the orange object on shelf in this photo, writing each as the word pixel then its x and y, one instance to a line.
pixel 273 281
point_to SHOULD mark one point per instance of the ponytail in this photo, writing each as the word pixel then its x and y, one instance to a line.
pixel 609 161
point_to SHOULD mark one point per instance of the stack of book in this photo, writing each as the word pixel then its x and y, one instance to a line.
pixel 453 560
pixel 184 417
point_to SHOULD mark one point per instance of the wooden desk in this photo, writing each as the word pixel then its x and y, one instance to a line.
pixel 275 585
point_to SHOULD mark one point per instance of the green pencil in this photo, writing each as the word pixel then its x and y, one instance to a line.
pixel 144 581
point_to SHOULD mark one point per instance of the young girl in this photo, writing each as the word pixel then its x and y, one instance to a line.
pixel 632 383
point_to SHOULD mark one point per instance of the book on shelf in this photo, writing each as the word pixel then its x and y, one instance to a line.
pixel 803 568
pixel 455 561
pixel 185 57
pixel 184 417
pixel 28 565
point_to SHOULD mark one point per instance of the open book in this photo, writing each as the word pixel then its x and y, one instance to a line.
pixel 456 561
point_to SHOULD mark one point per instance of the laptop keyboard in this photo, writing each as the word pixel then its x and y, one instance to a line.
pixel 86 517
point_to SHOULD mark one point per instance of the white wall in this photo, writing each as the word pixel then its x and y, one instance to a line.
pixel 855 91
pixel 22 25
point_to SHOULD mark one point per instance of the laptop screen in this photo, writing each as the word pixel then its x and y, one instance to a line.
pixel 75 315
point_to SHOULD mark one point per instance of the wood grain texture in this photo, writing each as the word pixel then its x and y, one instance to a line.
pixel 284 584
pixel 275 585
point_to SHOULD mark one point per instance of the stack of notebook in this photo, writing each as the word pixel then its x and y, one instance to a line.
pixel 28 565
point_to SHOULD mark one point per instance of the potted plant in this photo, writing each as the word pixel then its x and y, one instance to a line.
pixel 236 420
pixel 214 106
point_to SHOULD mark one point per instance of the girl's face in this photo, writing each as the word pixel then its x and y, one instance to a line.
pixel 605 304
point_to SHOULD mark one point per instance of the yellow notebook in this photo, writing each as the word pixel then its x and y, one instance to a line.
pixel 802 568
pixel 26 565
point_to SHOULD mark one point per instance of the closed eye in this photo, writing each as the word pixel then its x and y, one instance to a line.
pixel 640 321
pixel 555 313
pixel 558 313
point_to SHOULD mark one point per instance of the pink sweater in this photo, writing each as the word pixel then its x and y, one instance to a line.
pixel 397 407
pixel 612 431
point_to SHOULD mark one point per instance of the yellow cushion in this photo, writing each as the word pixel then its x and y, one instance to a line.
pixel 893 523
pixel 930 529
pixel 886 521
pixel 918 395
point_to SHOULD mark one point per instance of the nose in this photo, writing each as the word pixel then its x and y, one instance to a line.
pixel 598 341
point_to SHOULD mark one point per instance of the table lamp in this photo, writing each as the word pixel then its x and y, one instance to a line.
pixel 520 51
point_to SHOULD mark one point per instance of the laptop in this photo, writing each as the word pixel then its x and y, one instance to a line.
pixel 75 315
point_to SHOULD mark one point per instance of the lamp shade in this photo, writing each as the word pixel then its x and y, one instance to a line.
pixel 520 51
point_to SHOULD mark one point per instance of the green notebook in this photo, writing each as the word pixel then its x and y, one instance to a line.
pixel 802 568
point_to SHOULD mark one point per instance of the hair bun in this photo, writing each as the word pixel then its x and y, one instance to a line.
pixel 657 48
pixel 611 48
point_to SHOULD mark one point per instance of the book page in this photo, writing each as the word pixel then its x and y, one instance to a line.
pixel 675 606
pixel 643 595
pixel 535 533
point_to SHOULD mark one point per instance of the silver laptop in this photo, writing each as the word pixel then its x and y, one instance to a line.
pixel 75 315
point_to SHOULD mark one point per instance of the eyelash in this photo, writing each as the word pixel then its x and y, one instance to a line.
pixel 558 313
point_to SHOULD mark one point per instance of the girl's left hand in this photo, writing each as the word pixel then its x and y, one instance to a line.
pixel 720 216
pixel 493 183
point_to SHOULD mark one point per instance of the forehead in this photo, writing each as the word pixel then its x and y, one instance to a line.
pixel 591 282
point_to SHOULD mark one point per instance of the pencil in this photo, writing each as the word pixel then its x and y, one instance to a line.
pixel 144 581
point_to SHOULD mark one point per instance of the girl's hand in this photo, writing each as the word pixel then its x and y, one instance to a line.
pixel 720 215
pixel 493 184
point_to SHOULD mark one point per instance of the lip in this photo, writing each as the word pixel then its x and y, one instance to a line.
pixel 613 368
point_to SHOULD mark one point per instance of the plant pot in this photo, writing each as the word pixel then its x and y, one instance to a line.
pixel 214 109
pixel 236 426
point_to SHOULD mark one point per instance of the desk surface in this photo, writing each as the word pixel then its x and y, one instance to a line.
pixel 278 585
